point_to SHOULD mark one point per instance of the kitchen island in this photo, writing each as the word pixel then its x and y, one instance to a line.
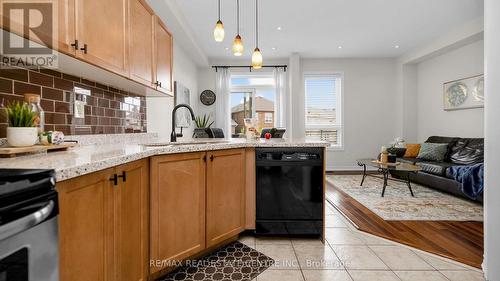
pixel 138 209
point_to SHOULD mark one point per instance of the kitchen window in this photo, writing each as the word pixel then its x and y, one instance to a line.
pixel 323 106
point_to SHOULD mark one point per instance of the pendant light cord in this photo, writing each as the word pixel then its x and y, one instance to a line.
pixel 218 11
pixel 238 15
pixel 257 23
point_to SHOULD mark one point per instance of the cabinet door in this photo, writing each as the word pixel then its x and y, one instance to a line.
pixel 102 26
pixel 225 195
pixel 131 216
pixel 66 26
pixel 85 234
pixel 141 38
pixel 163 57
pixel 177 206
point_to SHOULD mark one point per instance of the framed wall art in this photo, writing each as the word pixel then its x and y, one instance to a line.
pixel 464 93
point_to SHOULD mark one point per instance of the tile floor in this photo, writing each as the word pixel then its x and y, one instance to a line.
pixel 351 255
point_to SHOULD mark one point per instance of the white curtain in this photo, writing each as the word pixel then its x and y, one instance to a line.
pixel 281 108
pixel 222 108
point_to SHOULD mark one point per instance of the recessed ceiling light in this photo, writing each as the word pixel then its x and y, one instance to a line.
pixel 279 28
pixel 396 46
pixel 227 48
pixel 340 47
pixel 273 48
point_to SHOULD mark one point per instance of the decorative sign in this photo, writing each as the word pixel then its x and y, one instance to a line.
pixel 464 93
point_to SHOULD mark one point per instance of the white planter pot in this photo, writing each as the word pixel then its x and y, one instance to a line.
pixel 22 136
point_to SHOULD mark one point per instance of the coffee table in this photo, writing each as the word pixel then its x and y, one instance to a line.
pixel 385 169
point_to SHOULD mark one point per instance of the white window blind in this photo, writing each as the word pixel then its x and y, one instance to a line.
pixel 323 108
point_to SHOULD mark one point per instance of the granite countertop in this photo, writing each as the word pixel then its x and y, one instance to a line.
pixel 85 159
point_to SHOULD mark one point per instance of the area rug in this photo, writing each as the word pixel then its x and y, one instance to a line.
pixel 235 261
pixel 397 203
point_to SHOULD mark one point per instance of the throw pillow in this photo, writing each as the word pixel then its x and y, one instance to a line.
pixel 433 151
pixel 412 150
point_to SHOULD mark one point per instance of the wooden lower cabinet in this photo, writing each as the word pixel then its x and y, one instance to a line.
pixel 103 228
pixel 225 195
pixel 177 207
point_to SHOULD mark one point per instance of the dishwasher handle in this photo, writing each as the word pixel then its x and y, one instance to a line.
pixel 26 222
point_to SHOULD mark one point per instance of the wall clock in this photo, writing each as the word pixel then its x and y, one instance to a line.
pixel 207 97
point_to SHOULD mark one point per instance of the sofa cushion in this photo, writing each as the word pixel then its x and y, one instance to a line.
pixel 451 141
pixel 412 150
pixel 433 151
pixel 468 151
pixel 435 168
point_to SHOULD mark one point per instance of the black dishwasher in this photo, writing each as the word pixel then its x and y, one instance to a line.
pixel 289 186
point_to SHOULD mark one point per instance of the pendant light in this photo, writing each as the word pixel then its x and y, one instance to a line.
pixel 238 43
pixel 257 55
pixel 219 27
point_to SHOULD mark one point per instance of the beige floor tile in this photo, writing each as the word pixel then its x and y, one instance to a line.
pixel 247 240
pixel 307 241
pixel 365 275
pixel 272 241
pixel 400 258
pixel 335 221
pixel 372 239
pixel 343 236
pixel 420 276
pixel 358 257
pixel 280 275
pixel 283 256
pixel 440 263
pixel 317 257
pixel 463 275
pixel 326 275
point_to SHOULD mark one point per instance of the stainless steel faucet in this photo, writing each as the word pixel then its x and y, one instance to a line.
pixel 174 135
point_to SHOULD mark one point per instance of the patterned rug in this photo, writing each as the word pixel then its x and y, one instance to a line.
pixel 397 203
pixel 235 261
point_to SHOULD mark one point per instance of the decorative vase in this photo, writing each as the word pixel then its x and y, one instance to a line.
pixel 200 133
pixel 22 136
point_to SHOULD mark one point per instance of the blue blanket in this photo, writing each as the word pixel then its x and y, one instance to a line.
pixel 471 178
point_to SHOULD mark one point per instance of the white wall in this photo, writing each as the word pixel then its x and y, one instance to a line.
pixel 159 109
pixel 492 140
pixel 431 74
pixel 370 106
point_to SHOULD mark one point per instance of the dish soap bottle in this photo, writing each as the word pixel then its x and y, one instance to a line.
pixel 33 101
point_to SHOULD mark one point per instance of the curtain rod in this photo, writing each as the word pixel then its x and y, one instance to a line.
pixel 247 66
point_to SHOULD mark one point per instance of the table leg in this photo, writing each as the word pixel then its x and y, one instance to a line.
pixel 409 184
pixel 386 174
pixel 364 175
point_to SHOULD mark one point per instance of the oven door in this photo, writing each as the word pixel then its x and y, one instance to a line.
pixel 29 246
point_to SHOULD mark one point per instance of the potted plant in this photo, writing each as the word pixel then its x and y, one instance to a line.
pixel 202 123
pixel 22 122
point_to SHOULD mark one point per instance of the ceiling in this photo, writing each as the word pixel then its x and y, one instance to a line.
pixel 316 28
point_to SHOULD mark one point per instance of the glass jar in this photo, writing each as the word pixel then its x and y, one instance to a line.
pixel 33 101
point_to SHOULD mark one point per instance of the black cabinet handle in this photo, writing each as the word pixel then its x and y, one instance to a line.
pixel 114 179
pixel 75 45
pixel 212 158
pixel 204 158
pixel 158 84
pixel 84 49
pixel 123 176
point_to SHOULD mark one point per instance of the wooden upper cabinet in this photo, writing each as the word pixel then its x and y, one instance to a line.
pixel 164 57
pixel 141 46
pixel 132 221
pixel 225 195
pixel 66 26
pixel 177 206
pixel 102 27
pixel 85 231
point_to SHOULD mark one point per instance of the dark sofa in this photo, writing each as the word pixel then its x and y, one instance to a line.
pixel 461 151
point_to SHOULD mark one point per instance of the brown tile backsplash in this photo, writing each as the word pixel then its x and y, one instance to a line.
pixel 107 110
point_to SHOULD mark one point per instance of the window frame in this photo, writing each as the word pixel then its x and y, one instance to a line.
pixel 339 110
pixel 265 117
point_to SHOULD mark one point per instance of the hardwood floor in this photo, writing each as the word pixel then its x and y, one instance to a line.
pixel 460 241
